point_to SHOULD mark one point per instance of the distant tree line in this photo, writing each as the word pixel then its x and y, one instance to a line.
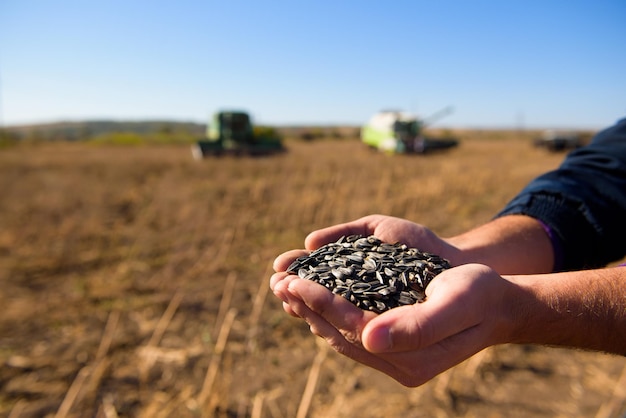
pixel 106 131
pixel 146 132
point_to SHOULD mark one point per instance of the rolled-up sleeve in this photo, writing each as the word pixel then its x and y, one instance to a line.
pixel 583 202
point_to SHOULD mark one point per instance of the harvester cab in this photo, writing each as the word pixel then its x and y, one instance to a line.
pixel 398 132
pixel 230 129
pixel 407 132
pixel 232 132
pixel 389 131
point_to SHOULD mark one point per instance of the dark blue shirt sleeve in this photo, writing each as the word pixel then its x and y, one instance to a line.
pixel 583 202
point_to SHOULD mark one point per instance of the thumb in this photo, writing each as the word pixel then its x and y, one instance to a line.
pixel 400 329
pixel 447 311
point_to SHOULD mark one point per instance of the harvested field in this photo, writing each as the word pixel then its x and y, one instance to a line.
pixel 134 283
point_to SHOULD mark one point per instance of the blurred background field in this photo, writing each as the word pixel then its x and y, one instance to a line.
pixel 135 282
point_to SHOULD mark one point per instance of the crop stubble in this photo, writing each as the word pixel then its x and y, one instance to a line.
pixel 88 231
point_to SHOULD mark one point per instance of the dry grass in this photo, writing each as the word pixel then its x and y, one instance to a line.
pixel 134 283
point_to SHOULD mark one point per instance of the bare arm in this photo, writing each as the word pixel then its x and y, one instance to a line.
pixel 514 244
pixel 583 309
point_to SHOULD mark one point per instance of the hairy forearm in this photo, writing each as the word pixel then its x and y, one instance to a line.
pixel 584 309
pixel 514 244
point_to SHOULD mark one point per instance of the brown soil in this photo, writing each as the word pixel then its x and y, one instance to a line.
pixel 135 284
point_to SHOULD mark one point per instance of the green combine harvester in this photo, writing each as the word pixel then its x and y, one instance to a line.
pixel 397 132
pixel 232 133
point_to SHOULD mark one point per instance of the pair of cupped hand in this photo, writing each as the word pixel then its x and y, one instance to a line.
pixel 465 310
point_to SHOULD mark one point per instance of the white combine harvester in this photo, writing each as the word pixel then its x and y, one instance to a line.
pixel 398 132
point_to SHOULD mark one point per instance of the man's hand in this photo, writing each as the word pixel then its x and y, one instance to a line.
pixel 465 311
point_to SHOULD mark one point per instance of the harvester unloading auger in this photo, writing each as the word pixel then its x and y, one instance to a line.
pixel 402 133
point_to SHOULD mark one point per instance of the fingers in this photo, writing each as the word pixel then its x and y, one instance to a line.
pixel 387 228
pixel 325 312
pixel 279 282
pixel 362 226
pixel 331 234
pixel 338 321
pixel 282 262
pixel 335 310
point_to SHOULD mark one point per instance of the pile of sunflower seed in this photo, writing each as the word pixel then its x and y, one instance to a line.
pixel 373 275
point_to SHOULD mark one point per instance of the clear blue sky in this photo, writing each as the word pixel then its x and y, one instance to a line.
pixel 535 63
